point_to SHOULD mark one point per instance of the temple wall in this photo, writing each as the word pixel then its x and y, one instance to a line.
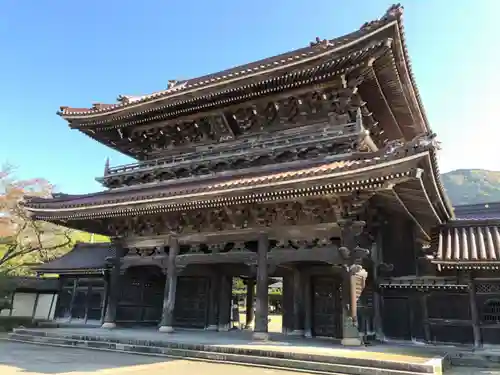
pixel 487 301
pixel 32 305
pixel 432 316
pixel 46 306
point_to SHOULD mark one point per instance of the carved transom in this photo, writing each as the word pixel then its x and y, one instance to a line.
pixel 307 212
pixel 303 244
pixel 487 288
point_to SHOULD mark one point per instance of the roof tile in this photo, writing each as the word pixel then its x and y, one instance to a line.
pixel 84 256
pixel 475 243
pixel 317 47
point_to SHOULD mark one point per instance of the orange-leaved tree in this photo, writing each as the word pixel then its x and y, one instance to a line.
pixel 25 241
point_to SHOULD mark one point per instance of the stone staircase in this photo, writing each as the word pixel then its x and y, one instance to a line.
pixel 315 360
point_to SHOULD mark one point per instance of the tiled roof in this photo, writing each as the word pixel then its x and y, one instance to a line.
pixel 471 244
pixel 482 211
pixel 274 176
pixel 84 257
pixel 37 284
pixel 317 49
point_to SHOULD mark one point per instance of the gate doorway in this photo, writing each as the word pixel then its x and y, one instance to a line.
pixel 141 296
pixel 326 307
pixel 191 302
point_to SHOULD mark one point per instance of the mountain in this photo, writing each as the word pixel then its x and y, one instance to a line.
pixel 470 186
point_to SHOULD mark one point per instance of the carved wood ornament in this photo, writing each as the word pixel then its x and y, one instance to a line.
pixel 307 212
pixel 333 106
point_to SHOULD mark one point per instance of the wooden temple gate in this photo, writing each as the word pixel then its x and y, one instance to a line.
pixel 191 277
pixel 289 166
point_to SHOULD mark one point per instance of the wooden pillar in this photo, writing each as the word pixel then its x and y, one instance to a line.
pixel 35 305
pixel 114 288
pixel 213 307
pixel 353 278
pixel 425 312
pixel 249 313
pixel 307 306
pixel 225 294
pixel 105 297
pixel 476 330
pixel 287 316
pixel 167 319
pixel 350 331
pixel 376 255
pixel 262 308
pixel 298 303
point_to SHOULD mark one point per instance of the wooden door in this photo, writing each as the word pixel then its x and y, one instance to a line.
pixel 396 318
pixel 327 308
pixel 191 302
pixel 141 298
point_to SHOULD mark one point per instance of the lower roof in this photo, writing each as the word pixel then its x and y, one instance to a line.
pixel 340 175
pixel 83 258
pixel 479 211
pixel 31 284
pixel 468 244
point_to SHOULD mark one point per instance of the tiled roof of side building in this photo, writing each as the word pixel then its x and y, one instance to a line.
pixel 32 284
pixel 318 48
pixel 84 258
pixel 479 211
pixel 462 244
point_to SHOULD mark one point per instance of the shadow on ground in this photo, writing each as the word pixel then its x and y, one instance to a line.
pixel 16 357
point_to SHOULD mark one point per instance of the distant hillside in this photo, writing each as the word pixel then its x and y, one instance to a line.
pixel 469 186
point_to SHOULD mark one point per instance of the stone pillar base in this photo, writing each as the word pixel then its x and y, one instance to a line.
pixel 212 327
pixel 296 332
pixel 308 334
pixel 108 325
pixel 224 327
pixel 261 336
pixel 351 341
pixel 166 329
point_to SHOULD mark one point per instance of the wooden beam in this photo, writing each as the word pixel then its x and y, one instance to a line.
pixel 411 216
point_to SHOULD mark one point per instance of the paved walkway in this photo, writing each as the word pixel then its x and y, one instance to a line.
pixel 243 340
pixel 26 359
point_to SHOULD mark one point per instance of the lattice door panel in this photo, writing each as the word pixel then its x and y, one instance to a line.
pixel 191 302
pixel 327 307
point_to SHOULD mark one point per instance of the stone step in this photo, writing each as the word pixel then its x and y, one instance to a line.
pixel 305 362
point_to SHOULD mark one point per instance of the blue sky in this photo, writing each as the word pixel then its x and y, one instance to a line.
pixel 75 53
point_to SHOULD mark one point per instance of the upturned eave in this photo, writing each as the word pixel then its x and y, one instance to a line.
pixel 389 26
pixel 373 172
